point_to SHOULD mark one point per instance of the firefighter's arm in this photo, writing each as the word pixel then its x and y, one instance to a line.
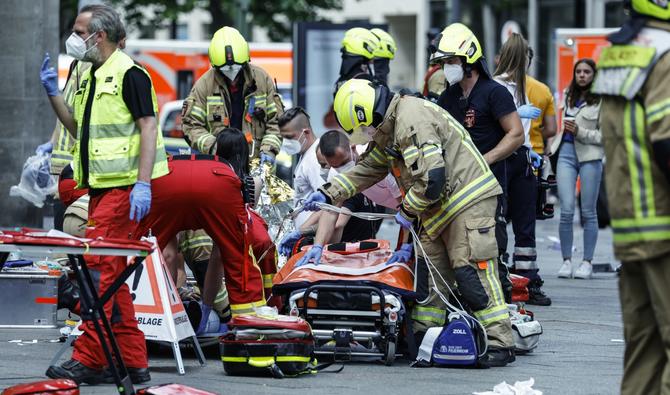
pixel 194 121
pixel 371 169
pixel 657 105
pixel 271 142
pixel 513 139
pixel 423 157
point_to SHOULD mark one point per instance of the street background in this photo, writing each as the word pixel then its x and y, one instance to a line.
pixel 580 351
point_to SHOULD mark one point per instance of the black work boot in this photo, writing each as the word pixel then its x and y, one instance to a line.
pixel 76 371
pixel 497 357
pixel 535 294
pixel 137 375
pixel 68 294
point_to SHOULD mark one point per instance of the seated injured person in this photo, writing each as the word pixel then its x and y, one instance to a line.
pixel 330 227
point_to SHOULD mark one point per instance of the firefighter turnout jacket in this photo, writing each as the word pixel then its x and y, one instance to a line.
pixel 207 111
pixel 433 159
pixel 635 112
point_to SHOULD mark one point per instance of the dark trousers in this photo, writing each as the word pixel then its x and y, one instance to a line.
pixel 521 204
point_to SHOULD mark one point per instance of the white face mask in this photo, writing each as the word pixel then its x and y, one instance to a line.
pixel 453 73
pixel 75 46
pixel 324 172
pixel 292 146
pixel 362 135
pixel 231 71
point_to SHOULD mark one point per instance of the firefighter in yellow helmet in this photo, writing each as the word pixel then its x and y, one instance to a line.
pixel 450 196
pixel 383 55
pixel 358 51
pixel 233 93
pixel 634 81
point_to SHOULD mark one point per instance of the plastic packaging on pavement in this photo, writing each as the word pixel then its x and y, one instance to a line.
pixel 36 181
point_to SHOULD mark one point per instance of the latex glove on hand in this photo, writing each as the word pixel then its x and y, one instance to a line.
pixel 529 111
pixel 311 203
pixel 45 148
pixel 403 220
pixel 140 200
pixel 265 157
pixel 314 255
pixel 403 255
pixel 535 159
pixel 49 77
pixel 287 243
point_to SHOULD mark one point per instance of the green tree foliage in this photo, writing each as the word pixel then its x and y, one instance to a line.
pixel 275 15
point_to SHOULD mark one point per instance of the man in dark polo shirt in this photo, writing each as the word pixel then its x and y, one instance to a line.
pixel 486 110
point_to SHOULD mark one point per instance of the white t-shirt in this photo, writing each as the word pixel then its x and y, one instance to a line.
pixel 511 88
pixel 384 193
pixel 306 179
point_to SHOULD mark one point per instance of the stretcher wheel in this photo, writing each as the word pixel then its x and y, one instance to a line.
pixel 390 353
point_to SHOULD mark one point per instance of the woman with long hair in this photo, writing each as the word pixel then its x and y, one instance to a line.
pixel 580 153
pixel 521 179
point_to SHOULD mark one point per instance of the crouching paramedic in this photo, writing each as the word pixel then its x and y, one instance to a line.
pixel 450 195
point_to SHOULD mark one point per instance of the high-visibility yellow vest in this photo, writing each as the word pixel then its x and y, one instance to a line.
pixel 114 138
pixel 64 141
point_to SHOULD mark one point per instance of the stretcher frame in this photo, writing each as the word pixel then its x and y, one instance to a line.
pixel 95 302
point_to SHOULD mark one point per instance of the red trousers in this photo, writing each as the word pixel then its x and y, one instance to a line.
pixel 109 217
pixel 207 194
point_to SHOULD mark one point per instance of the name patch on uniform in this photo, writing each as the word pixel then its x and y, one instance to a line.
pixel 626 56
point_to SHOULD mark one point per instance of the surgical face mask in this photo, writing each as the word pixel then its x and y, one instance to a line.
pixel 362 135
pixel 324 172
pixel 75 46
pixel 230 71
pixel 292 146
pixel 453 73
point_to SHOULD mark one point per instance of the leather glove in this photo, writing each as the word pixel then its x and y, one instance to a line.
pixel 287 243
pixel 310 204
pixel 314 254
pixel 529 111
pixel 404 254
pixel 403 219
pixel 140 200
pixel 265 157
pixel 45 148
pixel 535 159
pixel 49 77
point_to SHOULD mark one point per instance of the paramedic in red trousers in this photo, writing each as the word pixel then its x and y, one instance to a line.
pixel 119 153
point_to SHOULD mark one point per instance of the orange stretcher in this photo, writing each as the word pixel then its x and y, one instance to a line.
pixel 353 299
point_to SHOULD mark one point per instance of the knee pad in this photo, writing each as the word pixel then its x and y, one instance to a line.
pixel 471 288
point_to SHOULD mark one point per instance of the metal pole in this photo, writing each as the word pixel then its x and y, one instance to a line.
pixel 489 22
pixel 533 32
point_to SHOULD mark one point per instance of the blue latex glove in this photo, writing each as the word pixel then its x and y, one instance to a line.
pixel 140 200
pixel 205 310
pixel 314 255
pixel 536 159
pixel 310 204
pixel 529 111
pixel 287 243
pixel 402 220
pixel 267 158
pixel 49 77
pixel 45 148
pixel 404 254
